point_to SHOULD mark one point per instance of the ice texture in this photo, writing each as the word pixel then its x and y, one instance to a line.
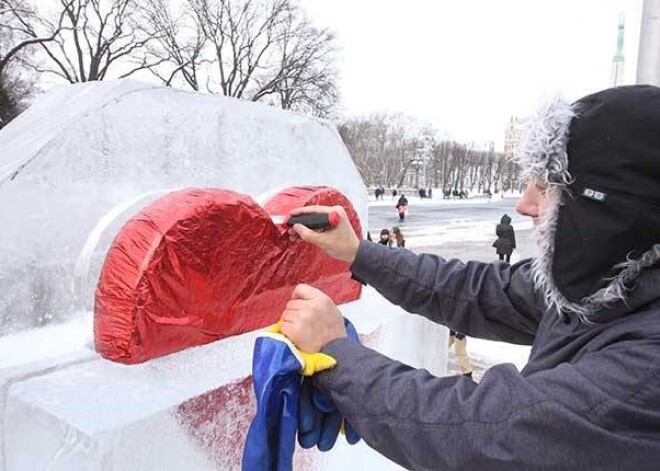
pixel 86 157
pixel 189 410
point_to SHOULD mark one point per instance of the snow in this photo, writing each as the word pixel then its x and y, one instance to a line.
pixel 456 230
pixel 492 353
pixel 450 230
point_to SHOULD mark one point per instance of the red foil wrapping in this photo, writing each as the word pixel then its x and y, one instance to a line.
pixel 199 265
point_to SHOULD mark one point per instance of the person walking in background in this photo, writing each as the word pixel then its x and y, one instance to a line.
pixel 385 238
pixel 506 239
pixel 402 207
pixel 459 341
pixel 398 237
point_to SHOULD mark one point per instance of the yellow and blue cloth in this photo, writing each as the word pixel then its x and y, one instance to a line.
pixel 289 405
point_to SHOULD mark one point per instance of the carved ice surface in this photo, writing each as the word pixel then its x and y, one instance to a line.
pixel 189 410
pixel 90 155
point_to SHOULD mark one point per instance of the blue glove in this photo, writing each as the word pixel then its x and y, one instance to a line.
pixel 270 441
pixel 277 369
pixel 319 421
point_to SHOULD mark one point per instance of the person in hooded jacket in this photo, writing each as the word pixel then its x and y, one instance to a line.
pixel 589 305
pixel 506 239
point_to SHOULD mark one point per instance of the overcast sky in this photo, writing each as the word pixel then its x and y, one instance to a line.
pixel 468 65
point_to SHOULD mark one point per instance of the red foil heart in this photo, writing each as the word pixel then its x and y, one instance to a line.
pixel 199 265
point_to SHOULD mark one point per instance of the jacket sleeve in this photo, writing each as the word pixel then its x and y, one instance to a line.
pixel 575 416
pixel 488 300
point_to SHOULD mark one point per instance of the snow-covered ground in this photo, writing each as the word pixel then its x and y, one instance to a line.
pixel 491 353
pixel 388 200
pixel 464 230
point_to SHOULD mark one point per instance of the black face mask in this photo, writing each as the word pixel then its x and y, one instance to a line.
pixel 612 211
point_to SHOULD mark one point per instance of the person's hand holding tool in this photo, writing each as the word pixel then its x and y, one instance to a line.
pixel 337 237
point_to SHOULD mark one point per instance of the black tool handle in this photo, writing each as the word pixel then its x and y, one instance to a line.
pixel 312 221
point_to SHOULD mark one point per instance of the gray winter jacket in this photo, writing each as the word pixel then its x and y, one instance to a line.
pixel 588 399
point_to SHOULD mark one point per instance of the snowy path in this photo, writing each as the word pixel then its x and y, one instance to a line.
pixel 436 222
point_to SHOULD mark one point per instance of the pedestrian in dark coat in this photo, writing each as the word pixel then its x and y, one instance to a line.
pixel 506 239
pixel 589 304
pixel 402 207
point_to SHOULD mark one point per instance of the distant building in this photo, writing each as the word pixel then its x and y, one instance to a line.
pixel 512 136
pixel 618 62
pixel 648 61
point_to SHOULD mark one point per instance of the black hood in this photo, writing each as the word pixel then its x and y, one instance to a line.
pixel 505 219
pixel 613 212
pixel 601 156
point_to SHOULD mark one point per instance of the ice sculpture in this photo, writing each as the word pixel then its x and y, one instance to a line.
pixel 76 165
pixel 73 169
pixel 199 265
pixel 188 410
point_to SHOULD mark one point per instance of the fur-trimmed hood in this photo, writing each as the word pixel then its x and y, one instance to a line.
pixel 601 159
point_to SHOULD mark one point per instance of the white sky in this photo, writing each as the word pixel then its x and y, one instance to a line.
pixel 467 66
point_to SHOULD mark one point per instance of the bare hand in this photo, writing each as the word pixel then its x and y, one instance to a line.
pixel 339 242
pixel 311 320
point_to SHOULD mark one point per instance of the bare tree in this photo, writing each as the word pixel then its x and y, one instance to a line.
pixel 16 86
pixel 21 27
pixel 391 149
pixel 95 37
pixel 304 78
pixel 258 50
pixel 385 146
pixel 178 47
